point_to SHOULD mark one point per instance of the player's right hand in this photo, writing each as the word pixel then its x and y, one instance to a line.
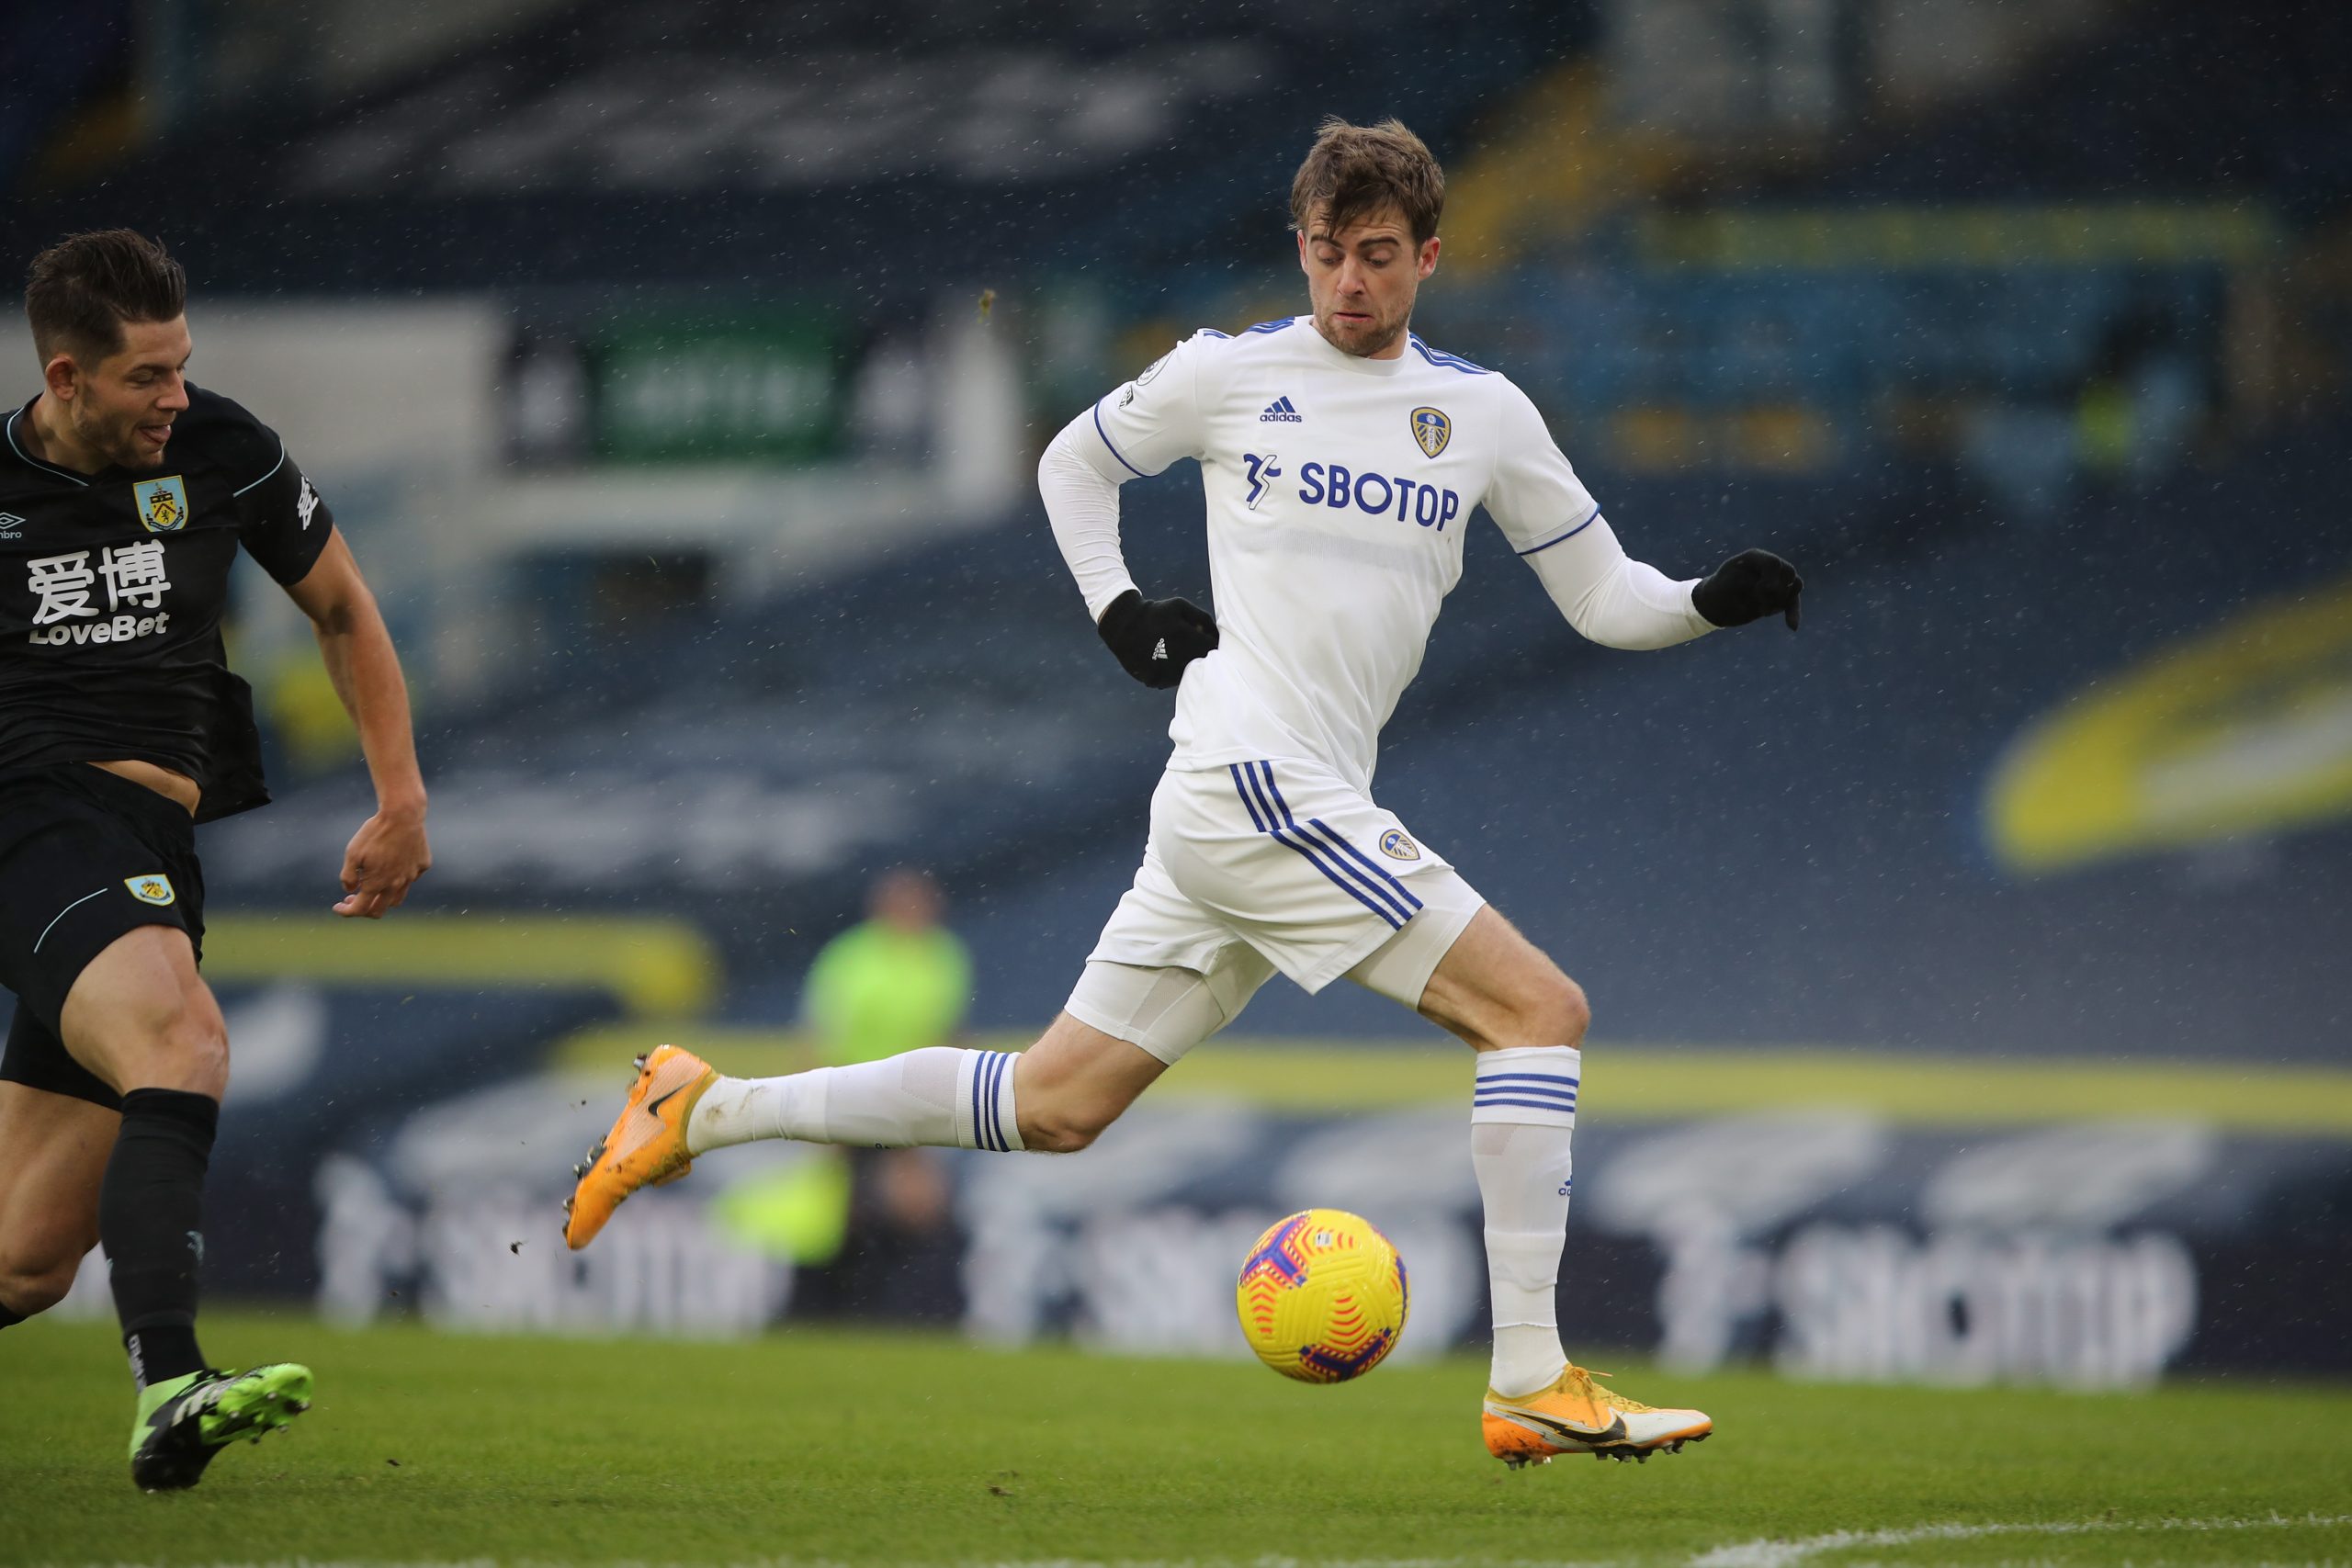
pixel 1155 638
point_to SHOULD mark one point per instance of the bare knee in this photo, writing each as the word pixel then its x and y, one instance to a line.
pixel 1075 1081
pixel 1495 990
pixel 186 1047
pixel 27 1287
pixel 178 1041
pixel 1061 1115
pixel 1567 1014
pixel 1062 1125
pixel 141 1016
pixel 1549 1011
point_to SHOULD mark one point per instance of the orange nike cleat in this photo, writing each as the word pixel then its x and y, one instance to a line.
pixel 1577 1415
pixel 647 1147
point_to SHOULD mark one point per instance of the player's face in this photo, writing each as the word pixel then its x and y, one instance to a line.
pixel 1361 281
pixel 122 407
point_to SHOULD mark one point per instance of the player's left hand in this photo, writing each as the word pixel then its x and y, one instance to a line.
pixel 384 859
pixel 1749 586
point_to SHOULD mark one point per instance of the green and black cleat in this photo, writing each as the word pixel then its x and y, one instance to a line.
pixel 184 1422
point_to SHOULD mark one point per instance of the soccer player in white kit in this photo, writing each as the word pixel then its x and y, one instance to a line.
pixel 1340 458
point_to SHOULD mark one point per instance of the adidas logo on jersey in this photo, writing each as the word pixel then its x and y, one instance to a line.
pixel 1280 411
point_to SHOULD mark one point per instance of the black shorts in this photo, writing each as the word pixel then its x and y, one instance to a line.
pixel 85 857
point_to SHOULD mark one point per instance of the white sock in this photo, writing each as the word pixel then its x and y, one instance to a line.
pixel 938 1095
pixel 1522 1119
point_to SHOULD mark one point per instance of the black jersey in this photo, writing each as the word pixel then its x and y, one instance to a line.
pixel 112 587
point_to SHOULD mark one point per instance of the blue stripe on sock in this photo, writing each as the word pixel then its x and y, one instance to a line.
pixel 997 1061
pixel 1525 1078
pixel 997 1095
pixel 1531 1104
pixel 1566 1106
pixel 988 1122
pixel 980 1122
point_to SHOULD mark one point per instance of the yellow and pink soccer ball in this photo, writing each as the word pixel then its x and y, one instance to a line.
pixel 1322 1296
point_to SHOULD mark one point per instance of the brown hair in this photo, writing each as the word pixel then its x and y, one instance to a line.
pixel 1353 172
pixel 80 292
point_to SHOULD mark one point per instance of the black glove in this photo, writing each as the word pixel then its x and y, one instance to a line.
pixel 1750 585
pixel 1155 638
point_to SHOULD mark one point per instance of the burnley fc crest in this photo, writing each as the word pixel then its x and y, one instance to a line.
pixel 163 504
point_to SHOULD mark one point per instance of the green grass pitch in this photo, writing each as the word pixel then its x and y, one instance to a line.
pixel 815 1447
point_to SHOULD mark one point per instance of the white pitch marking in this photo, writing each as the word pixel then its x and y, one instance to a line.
pixel 1769 1553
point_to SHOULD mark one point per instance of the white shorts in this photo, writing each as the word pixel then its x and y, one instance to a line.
pixel 1259 867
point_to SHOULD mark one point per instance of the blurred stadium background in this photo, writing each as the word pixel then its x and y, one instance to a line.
pixel 1971 969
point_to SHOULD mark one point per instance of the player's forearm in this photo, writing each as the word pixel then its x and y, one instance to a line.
pixel 1614 600
pixel 358 650
pixel 1083 508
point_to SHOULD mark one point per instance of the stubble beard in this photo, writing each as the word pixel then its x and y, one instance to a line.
pixel 123 449
pixel 1361 344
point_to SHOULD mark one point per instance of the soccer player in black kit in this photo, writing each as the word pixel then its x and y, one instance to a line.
pixel 125 494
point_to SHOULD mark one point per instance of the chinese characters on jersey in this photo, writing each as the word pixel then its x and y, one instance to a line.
pixel 65 584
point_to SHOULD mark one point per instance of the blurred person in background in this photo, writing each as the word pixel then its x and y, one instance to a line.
pixel 899 981
pixel 125 495
pixel 1340 459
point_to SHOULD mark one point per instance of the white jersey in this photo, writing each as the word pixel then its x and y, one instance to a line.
pixel 1339 491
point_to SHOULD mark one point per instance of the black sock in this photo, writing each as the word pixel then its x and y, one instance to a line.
pixel 8 1319
pixel 151 1217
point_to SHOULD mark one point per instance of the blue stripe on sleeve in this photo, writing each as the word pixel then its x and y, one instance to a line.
pixel 1564 538
pixel 273 468
pixel 1444 360
pixel 1106 441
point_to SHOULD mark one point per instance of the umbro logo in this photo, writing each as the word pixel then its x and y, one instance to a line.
pixel 11 526
pixel 1280 411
